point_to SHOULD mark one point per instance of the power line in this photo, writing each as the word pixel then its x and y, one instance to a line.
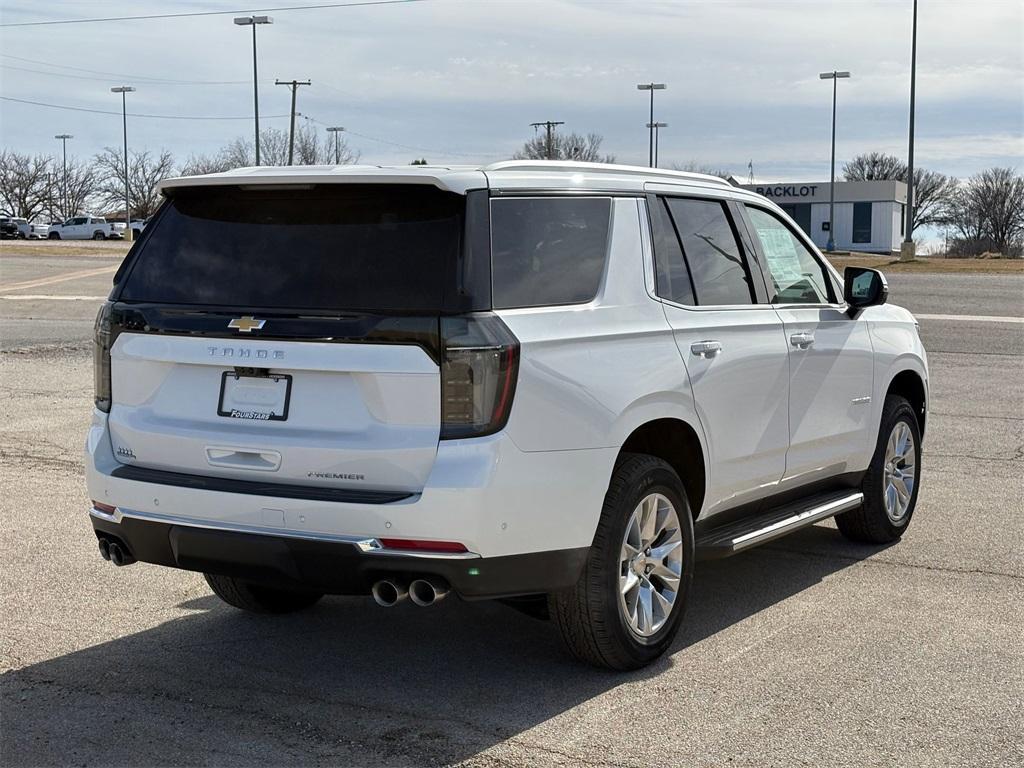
pixel 130 114
pixel 210 13
pixel 119 75
pixel 123 77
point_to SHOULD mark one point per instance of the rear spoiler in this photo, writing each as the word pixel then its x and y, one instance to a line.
pixel 457 180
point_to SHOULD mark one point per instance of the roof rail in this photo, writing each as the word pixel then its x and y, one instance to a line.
pixel 608 168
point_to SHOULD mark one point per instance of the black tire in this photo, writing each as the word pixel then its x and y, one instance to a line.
pixel 870 523
pixel 258 598
pixel 53 236
pixel 98 236
pixel 588 615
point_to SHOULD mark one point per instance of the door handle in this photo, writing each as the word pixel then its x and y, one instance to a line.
pixel 706 349
pixel 801 340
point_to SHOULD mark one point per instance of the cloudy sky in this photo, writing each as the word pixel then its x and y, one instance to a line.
pixel 461 80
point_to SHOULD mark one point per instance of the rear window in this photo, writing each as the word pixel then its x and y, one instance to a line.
pixel 381 248
pixel 548 250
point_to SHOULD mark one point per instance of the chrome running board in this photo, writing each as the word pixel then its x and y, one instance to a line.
pixel 749 532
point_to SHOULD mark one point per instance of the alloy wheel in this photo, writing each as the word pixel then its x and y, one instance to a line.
pixel 650 565
pixel 900 472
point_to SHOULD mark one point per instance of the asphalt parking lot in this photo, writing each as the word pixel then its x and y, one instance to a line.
pixel 810 651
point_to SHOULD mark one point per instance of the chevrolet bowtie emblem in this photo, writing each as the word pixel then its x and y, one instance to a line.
pixel 247 324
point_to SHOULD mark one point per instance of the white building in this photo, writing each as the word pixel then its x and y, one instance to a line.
pixel 869 215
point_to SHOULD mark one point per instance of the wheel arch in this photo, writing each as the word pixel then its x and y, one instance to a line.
pixel 909 384
pixel 676 442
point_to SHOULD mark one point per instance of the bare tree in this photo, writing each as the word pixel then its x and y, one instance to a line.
pixel 24 183
pixel 987 212
pixel 197 165
pixel 565 146
pixel 932 191
pixel 82 184
pixel 875 165
pixel 695 167
pixel 311 148
pixel 144 171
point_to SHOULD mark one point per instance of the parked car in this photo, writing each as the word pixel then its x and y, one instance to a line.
pixel 8 228
pixel 138 225
pixel 555 384
pixel 84 228
pixel 30 230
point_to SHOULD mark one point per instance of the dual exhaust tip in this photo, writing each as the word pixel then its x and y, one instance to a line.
pixel 115 552
pixel 422 592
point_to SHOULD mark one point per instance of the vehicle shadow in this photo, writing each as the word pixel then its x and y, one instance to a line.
pixel 348 681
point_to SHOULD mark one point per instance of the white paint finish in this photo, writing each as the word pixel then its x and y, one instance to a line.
pixel 355 409
pixel 589 375
pixel 828 431
pixel 585 371
pixel 741 396
pixel 485 493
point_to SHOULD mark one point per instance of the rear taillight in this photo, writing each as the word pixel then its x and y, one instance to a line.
pixel 101 357
pixel 478 375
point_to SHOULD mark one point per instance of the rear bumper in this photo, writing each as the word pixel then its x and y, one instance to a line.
pixel 527 519
pixel 332 566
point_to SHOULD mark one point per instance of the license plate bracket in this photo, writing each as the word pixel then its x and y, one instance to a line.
pixel 260 397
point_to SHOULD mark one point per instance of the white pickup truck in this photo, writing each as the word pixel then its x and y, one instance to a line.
pixel 85 228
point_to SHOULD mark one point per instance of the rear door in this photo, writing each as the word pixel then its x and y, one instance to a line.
pixel 731 342
pixel 831 356
pixel 287 336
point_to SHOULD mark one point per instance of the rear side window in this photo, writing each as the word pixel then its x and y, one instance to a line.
pixel 380 248
pixel 719 272
pixel 548 250
pixel 671 274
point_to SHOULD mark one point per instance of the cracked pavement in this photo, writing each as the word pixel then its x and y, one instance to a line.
pixel 810 651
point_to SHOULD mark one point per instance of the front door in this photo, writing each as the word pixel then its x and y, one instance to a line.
pixel 831 357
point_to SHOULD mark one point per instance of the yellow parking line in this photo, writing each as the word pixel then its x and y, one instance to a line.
pixel 56 279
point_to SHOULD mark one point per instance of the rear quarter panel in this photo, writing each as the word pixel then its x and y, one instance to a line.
pixel 590 374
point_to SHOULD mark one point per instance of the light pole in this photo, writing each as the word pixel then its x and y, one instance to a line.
pixel 123 89
pixel 834 76
pixel 907 251
pixel 652 87
pixel 253 21
pixel 336 129
pixel 64 140
pixel 656 127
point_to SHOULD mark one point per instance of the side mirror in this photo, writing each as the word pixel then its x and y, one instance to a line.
pixel 863 287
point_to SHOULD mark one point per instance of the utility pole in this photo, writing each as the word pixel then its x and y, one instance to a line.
pixel 907 250
pixel 656 127
pixel 294 85
pixel 549 126
pixel 549 145
pixel 253 21
pixel 336 129
pixel 64 140
pixel 652 87
pixel 834 76
pixel 125 89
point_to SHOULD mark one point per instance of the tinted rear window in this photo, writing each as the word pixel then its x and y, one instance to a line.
pixel 548 250
pixel 333 247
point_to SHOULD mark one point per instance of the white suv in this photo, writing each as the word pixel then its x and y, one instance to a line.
pixel 557 384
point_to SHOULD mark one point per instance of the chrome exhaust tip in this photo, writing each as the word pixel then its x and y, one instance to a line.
pixel 388 592
pixel 424 592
